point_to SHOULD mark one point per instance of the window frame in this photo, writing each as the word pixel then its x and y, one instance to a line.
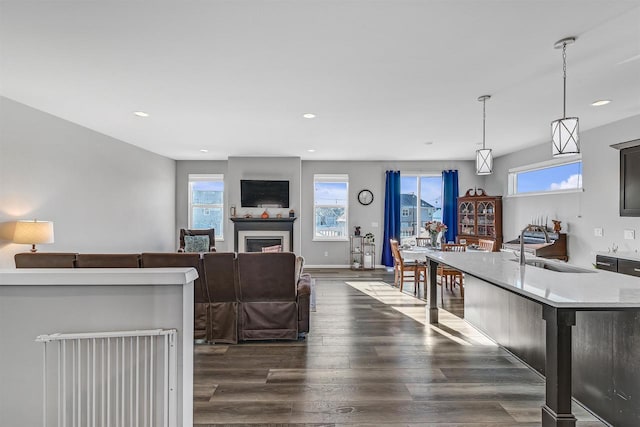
pixel 512 176
pixel 332 178
pixel 206 178
pixel 419 176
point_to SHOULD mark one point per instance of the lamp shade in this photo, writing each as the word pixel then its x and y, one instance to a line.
pixel 484 162
pixel 564 136
pixel 33 232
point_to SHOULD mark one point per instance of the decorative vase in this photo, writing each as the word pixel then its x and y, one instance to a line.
pixel 434 238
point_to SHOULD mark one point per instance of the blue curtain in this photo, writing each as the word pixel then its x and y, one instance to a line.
pixel 391 215
pixel 450 203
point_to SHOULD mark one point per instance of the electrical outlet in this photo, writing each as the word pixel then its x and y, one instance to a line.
pixel 629 234
pixel 326 253
pixel 374 225
pixel 598 232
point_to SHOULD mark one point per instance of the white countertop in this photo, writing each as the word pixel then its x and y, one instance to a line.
pixel 632 256
pixel 97 276
pixel 594 289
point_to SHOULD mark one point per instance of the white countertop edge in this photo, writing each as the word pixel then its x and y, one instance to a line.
pixel 598 289
pixel 97 276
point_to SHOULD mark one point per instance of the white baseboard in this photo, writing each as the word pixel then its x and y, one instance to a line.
pixel 339 266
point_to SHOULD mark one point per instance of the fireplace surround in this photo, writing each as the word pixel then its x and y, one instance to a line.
pixel 248 232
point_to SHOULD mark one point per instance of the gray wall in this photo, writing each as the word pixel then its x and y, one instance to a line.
pixel 183 169
pixel 369 175
pixel 102 194
pixel 276 168
pixel 580 213
pixel 362 174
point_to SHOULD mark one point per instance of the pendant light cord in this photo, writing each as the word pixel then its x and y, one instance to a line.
pixel 484 119
pixel 564 80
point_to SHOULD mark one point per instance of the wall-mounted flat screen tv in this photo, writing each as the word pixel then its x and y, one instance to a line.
pixel 264 194
pixel 630 181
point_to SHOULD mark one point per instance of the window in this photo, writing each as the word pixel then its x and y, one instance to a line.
pixel 555 176
pixel 420 201
pixel 206 203
pixel 330 207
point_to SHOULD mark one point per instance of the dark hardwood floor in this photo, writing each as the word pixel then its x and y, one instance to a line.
pixel 370 360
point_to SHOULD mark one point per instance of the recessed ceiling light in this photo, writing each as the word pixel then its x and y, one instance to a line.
pixel 311 150
pixel 204 150
pixel 428 143
pixel 601 102
pixel 309 115
pixel 141 114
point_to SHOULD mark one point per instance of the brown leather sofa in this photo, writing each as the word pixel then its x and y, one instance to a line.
pixel 107 261
pixel 45 260
pixel 274 302
pixel 222 285
pixel 200 293
pixel 254 296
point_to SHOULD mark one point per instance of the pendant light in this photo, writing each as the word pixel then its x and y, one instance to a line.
pixel 484 158
pixel 564 131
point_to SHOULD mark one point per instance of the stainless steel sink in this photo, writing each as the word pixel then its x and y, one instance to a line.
pixel 554 266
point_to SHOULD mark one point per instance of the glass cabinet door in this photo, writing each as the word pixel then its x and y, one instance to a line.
pixel 467 220
pixel 486 218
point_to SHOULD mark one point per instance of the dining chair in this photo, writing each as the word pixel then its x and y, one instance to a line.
pixel 423 242
pixel 448 275
pixel 487 245
pixel 403 269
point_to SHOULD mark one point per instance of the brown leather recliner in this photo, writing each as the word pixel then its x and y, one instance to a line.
pixel 107 261
pixel 200 293
pixel 45 260
pixel 269 297
pixel 221 279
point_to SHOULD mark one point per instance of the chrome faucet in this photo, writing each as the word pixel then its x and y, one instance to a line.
pixel 522 259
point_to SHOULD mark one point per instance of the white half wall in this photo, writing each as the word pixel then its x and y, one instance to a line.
pixel 580 213
pixel 102 194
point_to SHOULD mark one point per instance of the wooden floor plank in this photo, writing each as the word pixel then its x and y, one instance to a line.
pixel 370 360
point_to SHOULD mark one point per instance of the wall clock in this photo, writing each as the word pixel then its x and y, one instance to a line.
pixel 365 197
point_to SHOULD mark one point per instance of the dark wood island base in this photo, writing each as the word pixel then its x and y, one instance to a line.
pixel 568 325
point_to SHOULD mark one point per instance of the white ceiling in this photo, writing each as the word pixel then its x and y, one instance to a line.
pixel 383 77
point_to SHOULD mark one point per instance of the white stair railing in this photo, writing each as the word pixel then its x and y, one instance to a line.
pixel 121 379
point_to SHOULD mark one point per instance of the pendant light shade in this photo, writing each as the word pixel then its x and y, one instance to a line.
pixel 564 132
pixel 564 135
pixel 484 157
pixel 484 162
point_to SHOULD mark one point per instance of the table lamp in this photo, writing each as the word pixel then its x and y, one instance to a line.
pixel 33 232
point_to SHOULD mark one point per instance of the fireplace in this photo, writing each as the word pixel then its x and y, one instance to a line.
pixel 255 240
pixel 252 244
pixel 252 234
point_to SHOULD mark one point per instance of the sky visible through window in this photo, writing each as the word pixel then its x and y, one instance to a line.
pixel 562 177
pixel 208 185
pixel 430 188
pixel 331 193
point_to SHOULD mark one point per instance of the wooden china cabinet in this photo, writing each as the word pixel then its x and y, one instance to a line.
pixel 480 217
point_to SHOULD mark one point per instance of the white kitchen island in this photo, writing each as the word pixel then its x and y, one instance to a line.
pixel 532 310
pixel 48 301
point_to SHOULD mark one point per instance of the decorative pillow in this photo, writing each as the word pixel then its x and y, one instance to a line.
pixel 196 243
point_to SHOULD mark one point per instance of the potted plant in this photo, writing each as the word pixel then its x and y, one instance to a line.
pixel 369 238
